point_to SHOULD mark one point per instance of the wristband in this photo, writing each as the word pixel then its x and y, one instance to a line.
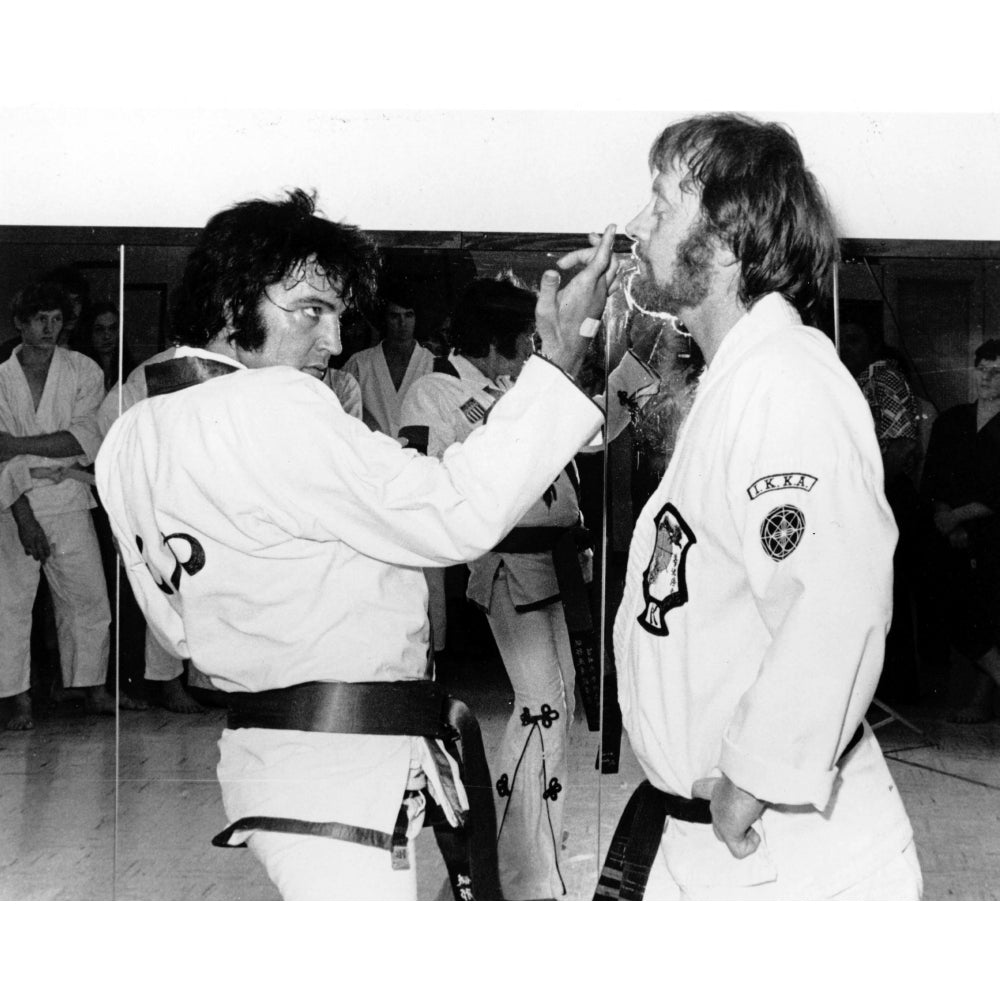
pixel 589 327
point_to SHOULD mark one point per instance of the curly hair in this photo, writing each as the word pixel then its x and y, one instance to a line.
pixel 244 249
pixel 759 200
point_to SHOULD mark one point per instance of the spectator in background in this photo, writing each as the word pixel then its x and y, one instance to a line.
pixel 896 416
pixel 961 483
pixel 77 289
pixel 48 427
pixel 386 371
pixel 104 343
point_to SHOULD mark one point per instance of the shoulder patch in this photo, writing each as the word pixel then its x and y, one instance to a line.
pixel 781 531
pixel 781 481
pixel 473 410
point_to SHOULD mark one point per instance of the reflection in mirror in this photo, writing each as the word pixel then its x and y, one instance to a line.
pixel 57 689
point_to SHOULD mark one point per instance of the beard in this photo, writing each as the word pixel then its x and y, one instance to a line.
pixel 689 287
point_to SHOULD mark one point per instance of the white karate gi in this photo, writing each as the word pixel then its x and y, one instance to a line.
pixel 751 634
pixel 381 399
pixel 159 665
pixel 520 595
pixel 291 540
pixel 73 390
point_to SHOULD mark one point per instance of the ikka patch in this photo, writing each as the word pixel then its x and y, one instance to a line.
pixel 664 583
pixel 781 531
pixel 781 481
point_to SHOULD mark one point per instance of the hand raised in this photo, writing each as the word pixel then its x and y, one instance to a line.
pixel 560 311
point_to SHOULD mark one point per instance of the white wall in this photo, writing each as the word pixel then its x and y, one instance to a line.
pixel 898 176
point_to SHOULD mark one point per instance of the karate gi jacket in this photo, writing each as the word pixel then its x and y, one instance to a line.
pixel 451 408
pixel 758 595
pixel 381 400
pixel 74 388
pixel 275 540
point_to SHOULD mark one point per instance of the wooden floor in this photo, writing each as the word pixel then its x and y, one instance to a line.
pixel 99 808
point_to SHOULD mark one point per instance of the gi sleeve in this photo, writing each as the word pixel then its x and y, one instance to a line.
pixel 336 480
pixel 15 480
pixel 426 418
pixel 806 498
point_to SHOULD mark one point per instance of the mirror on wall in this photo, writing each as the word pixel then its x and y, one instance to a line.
pixel 126 806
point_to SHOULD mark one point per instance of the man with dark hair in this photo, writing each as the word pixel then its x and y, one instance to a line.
pixel 48 425
pixel 492 331
pixel 961 485
pixel 518 584
pixel 758 593
pixel 279 543
pixel 77 290
pixel 386 371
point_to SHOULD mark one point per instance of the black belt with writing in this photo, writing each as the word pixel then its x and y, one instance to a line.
pixel 633 848
pixel 401 708
pixel 565 544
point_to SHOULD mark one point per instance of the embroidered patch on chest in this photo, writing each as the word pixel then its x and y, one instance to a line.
pixel 781 481
pixel 664 583
pixel 474 411
pixel 781 531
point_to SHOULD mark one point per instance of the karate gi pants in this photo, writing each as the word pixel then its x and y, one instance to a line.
pixel 319 868
pixel 898 879
pixel 532 765
pixel 79 596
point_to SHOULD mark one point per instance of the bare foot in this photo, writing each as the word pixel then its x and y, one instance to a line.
pixel 97 701
pixel 21 721
pixel 129 704
pixel 174 698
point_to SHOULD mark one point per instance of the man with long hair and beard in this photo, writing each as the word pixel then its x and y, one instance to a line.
pixel 745 672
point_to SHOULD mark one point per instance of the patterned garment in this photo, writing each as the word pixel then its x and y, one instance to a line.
pixel 891 401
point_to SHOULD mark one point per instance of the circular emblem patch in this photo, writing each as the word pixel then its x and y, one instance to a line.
pixel 781 531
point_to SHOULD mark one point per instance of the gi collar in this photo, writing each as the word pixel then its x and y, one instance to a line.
pixel 189 366
pixel 771 311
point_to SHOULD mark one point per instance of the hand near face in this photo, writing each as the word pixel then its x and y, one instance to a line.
pixel 561 310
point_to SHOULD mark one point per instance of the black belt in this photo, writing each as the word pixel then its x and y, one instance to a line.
pixel 542 538
pixel 401 708
pixel 633 848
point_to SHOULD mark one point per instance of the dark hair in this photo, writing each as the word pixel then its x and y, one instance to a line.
pixel 759 199
pixel 105 306
pixel 491 312
pixel 257 243
pixel 40 297
pixel 988 350
pixel 397 291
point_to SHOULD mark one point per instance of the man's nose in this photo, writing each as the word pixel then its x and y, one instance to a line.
pixel 329 339
pixel 639 227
